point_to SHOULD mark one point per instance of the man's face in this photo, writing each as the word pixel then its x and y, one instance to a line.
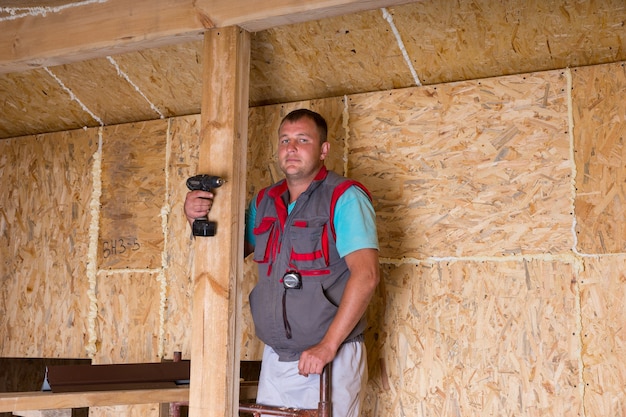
pixel 300 153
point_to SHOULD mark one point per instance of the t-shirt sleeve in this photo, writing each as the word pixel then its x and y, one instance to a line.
pixel 355 222
pixel 250 218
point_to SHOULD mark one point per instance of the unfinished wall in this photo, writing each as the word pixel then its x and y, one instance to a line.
pixel 44 241
pixel 473 189
pixel 95 245
pixel 88 243
pixel 498 202
pixel 499 205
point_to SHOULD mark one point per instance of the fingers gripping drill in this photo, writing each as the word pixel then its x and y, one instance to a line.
pixel 202 226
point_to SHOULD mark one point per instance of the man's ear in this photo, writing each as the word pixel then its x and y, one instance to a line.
pixel 325 149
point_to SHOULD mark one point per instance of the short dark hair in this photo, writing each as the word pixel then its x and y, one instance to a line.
pixel 320 122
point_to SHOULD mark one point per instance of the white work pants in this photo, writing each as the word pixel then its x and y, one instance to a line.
pixel 281 385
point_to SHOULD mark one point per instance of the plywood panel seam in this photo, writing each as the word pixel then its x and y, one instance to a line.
pixel 135 86
pixel 579 266
pixel 113 272
pixel 73 97
pixel 92 259
pixel 165 213
pixel 575 281
pixel 573 259
pixel 389 18
pixel 578 314
pixel 570 121
pixel 346 126
pixel 25 11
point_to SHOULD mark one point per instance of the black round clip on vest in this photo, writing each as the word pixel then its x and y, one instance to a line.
pixel 202 226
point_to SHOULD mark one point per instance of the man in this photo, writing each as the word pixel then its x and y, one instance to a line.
pixel 314 239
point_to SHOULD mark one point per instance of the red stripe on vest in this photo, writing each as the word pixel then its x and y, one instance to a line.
pixel 315 273
pixel 281 209
pixel 338 192
pixel 325 245
pixel 305 256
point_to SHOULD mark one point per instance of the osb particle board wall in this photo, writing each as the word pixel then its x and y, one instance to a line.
pixel 44 217
pixel 91 216
pixel 473 186
pixel 500 228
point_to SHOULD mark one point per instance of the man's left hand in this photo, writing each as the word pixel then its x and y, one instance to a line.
pixel 313 360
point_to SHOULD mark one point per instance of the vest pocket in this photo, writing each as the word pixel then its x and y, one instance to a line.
pixel 309 246
pixel 310 313
pixel 265 236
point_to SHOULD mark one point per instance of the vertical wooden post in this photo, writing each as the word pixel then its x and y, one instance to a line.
pixel 218 260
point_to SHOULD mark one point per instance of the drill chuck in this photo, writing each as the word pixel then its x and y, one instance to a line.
pixel 204 182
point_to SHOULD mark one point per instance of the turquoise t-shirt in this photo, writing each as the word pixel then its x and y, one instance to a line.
pixel 355 222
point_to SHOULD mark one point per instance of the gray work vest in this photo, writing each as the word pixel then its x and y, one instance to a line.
pixel 292 320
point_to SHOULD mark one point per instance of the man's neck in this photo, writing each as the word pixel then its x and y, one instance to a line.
pixel 297 186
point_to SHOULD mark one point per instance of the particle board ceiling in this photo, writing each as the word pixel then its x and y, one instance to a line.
pixel 403 45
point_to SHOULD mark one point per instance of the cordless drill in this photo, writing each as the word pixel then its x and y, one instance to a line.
pixel 202 226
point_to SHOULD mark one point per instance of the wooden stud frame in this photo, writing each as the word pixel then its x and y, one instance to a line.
pixel 218 262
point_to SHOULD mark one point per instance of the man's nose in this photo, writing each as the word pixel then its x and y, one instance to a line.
pixel 291 146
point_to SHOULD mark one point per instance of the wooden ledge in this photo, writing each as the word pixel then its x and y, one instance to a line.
pixel 39 400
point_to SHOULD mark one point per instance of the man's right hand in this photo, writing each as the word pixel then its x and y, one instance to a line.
pixel 197 204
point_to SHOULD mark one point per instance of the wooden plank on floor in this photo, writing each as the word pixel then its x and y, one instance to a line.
pixel 39 400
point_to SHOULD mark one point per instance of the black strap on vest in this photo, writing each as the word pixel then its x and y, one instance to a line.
pixel 285 321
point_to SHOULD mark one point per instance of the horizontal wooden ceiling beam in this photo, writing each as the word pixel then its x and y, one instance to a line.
pixel 78 30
